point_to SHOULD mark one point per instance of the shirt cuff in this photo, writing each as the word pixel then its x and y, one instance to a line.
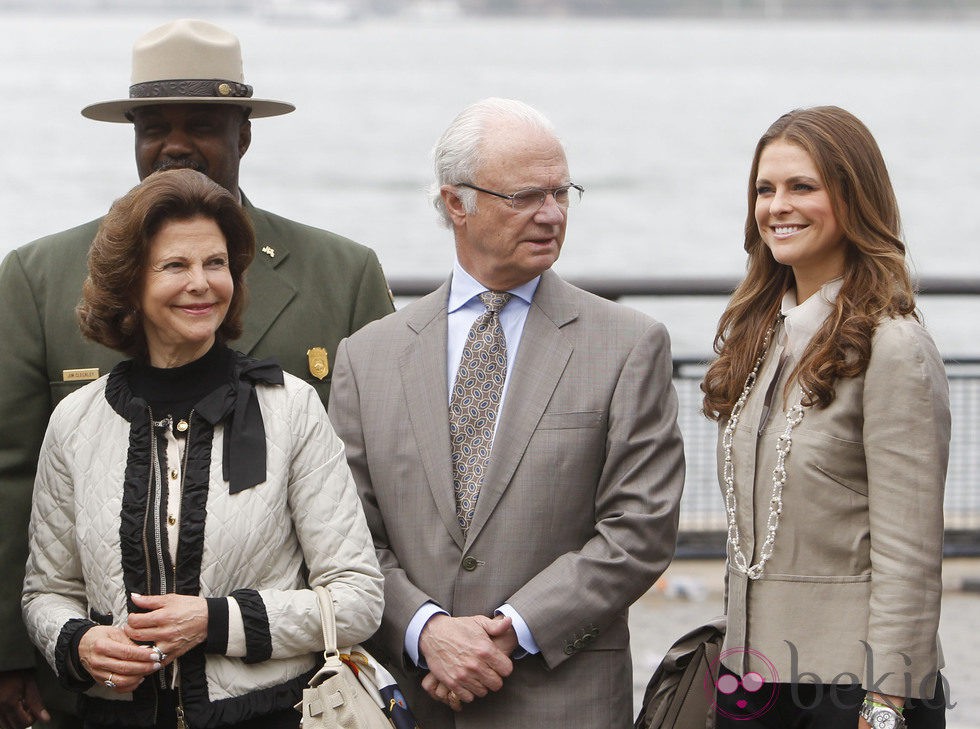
pixel 414 631
pixel 526 645
pixel 236 630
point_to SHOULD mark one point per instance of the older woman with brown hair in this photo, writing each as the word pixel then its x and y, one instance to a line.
pixel 833 408
pixel 186 502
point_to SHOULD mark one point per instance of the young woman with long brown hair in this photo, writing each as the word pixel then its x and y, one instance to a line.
pixel 833 408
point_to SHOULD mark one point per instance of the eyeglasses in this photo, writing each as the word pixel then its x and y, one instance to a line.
pixel 533 197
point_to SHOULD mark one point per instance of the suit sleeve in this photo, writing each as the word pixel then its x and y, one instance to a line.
pixel 906 441
pixel 402 597
pixel 636 510
pixel 25 404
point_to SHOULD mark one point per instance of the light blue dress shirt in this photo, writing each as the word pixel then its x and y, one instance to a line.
pixel 464 308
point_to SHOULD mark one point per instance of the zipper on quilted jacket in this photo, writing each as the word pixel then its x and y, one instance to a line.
pixel 156 503
pixel 152 517
pixel 181 723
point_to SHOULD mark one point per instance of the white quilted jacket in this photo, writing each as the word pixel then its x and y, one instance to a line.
pixel 260 541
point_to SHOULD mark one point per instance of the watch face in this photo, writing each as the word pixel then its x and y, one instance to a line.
pixel 883 719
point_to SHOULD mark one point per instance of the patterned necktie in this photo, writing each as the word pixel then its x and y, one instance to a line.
pixel 474 404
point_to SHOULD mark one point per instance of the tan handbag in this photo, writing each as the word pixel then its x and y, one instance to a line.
pixel 336 698
pixel 680 694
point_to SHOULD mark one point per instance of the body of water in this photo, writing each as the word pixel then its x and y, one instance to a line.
pixel 659 118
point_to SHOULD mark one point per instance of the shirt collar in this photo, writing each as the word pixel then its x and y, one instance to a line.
pixel 802 321
pixel 464 287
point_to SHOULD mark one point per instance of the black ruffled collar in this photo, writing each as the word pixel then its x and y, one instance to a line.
pixel 175 391
pixel 233 402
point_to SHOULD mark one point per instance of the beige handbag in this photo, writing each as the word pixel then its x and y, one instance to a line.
pixel 336 698
pixel 680 694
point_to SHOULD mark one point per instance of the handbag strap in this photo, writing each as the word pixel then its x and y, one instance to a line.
pixel 328 624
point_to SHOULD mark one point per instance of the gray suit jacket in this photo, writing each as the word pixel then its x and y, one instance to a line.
pixel 576 519
pixel 855 579
pixel 308 289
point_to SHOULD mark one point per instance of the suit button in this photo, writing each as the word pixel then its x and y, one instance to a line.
pixel 569 649
pixel 469 563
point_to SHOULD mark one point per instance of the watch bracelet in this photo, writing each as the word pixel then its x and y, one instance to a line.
pixel 883 705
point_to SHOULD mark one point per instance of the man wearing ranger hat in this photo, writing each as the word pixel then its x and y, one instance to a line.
pixel 190 107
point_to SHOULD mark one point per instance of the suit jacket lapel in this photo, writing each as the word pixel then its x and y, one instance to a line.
pixel 541 360
pixel 268 291
pixel 424 380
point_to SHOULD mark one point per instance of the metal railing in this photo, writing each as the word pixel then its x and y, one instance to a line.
pixel 703 522
pixel 702 512
pixel 618 287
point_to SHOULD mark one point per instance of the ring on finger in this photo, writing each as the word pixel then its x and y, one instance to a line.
pixel 160 655
pixel 453 698
pixel 109 683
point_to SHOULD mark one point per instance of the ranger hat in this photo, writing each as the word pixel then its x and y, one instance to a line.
pixel 186 62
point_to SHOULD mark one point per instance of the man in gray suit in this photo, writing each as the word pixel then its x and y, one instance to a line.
pixel 190 107
pixel 514 440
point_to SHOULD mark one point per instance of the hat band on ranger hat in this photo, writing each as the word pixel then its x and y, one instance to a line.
pixel 208 88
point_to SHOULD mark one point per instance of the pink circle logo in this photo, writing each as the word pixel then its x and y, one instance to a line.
pixel 761 686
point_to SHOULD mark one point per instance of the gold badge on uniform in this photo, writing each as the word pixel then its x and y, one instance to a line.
pixel 319 362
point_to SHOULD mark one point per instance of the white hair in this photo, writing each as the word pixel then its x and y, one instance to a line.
pixel 458 154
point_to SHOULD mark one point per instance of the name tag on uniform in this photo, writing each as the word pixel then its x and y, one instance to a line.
pixel 80 375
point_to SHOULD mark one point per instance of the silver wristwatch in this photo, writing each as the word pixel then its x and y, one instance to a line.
pixel 881 716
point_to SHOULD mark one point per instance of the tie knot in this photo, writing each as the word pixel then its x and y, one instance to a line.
pixel 494 300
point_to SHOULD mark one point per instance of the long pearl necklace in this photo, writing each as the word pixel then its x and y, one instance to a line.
pixel 783 445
